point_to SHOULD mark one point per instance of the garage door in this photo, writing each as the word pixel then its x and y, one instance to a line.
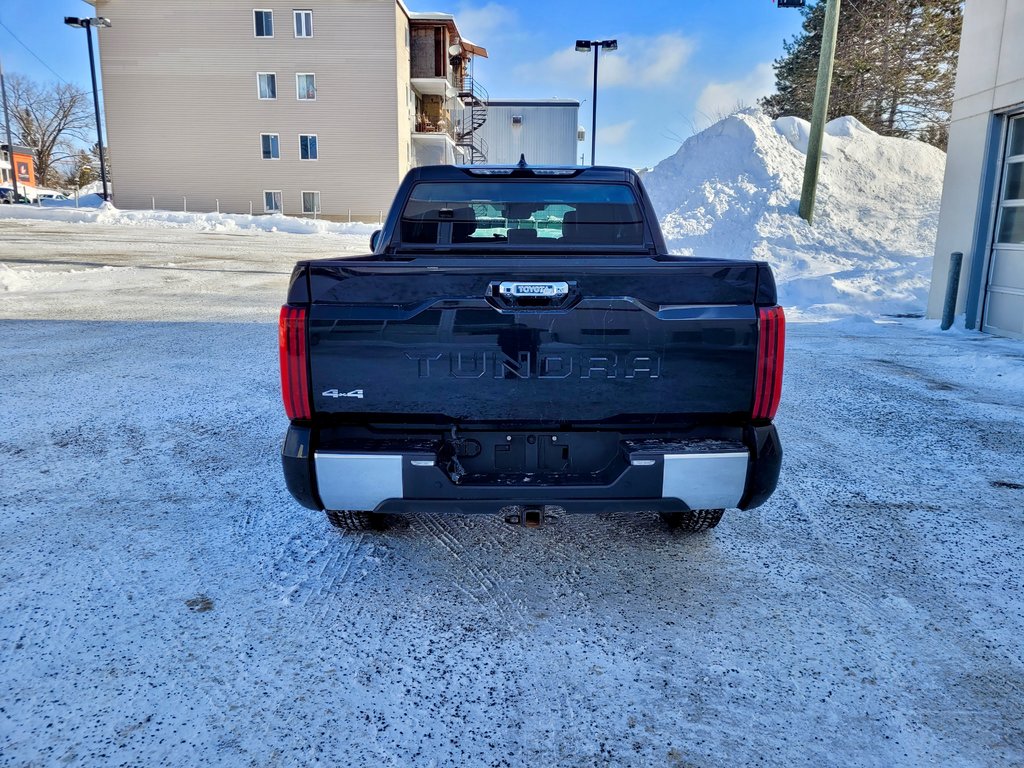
pixel 1004 299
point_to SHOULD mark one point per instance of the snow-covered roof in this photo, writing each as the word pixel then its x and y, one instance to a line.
pixel 431 16
pixel 509 102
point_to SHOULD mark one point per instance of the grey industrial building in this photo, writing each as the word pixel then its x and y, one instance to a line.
pixel 546 131
pixel 982 212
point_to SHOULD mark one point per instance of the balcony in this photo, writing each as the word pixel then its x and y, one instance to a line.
pixel 434 86
pixel 439 124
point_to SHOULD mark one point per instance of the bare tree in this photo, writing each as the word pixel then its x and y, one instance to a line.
pixel 54 119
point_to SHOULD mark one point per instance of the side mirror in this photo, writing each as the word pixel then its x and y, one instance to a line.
pixel 374 239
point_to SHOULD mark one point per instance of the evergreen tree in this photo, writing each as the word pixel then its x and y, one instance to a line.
pixel 95 151
pixel 81 170
pixel 895 66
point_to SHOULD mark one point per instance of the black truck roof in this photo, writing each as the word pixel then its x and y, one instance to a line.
pixel 522 170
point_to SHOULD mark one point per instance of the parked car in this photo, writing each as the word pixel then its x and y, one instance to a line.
pixel 52 196
pixel 520 337
pixel 7 196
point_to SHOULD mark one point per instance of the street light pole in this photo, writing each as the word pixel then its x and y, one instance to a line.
pixel 596 45
pixel 87 25
pixel 96 107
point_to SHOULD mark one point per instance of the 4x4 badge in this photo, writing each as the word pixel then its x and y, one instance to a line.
pixel 335 393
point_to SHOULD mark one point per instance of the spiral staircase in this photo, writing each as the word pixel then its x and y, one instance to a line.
pixel 474 114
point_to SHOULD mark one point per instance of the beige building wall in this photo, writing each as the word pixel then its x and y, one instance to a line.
pixel 405 99
pixel 184 120
pixel 990 82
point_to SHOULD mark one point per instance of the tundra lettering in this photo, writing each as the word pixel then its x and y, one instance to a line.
pixel 549 365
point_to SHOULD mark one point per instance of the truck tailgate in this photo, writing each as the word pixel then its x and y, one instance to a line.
pixel 625 340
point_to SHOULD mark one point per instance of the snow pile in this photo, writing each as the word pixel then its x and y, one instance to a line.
pixel 95 188
pixel 733 191
pixel 105 213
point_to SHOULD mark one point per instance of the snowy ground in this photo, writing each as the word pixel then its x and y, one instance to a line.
pixel 164 601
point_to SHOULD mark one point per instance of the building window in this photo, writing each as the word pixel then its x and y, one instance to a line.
pixel 271 144
pixel 305 87
pixel 272 201
pixel 1011 202
pixel 303 23
pixel 266 85
pixel 307 146
pixel 263 22
pixel 311 202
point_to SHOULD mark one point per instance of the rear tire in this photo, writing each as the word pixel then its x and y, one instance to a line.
pixel 352 520
pixel 692 520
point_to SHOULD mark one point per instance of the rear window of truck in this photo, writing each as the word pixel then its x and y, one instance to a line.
pixel 518 214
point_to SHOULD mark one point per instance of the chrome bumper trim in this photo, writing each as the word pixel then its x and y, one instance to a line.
pixel 357 481
pixel 705 480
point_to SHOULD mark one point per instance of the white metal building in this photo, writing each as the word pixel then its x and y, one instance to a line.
pixel 546 131
pixel 983 196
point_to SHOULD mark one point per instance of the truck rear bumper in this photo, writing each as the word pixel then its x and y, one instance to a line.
pixel 658 475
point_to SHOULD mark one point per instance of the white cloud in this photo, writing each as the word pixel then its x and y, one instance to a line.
pixel 640 62
pixel 479 23
pixel 609 135
pixel 723 98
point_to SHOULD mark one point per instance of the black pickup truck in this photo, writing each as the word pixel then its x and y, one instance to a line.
pixel 521 339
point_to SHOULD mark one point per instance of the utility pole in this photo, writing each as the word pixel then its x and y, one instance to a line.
pixel 7 123
pixel 821 95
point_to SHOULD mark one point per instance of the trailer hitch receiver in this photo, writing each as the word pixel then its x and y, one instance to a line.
pixel 529 517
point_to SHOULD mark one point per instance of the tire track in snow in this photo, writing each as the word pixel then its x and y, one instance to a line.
pixel 489 583
pixel 325 575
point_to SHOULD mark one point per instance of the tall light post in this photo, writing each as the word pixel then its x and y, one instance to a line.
pixel 596 45
pixel 87 25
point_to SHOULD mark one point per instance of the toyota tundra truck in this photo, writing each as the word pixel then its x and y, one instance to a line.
pixel 521 339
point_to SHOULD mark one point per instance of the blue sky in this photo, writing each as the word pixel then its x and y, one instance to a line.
pixel 679 63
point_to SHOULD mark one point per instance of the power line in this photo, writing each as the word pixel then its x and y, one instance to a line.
pixel 38 58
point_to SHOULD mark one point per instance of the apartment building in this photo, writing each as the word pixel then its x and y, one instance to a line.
pixel 317 108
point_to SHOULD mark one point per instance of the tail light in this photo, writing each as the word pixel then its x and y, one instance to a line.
pixel 294 365
pixel 771 344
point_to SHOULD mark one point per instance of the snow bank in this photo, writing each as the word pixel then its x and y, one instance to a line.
pixel 733 191
pixel 105 213
pixel 91 200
